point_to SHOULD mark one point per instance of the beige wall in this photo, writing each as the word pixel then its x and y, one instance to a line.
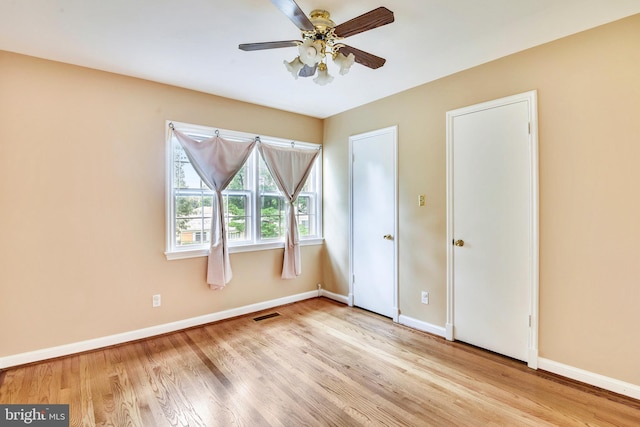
pixel 82 206
pixel 589 121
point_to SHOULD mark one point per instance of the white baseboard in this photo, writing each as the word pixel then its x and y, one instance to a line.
pixel 336 297
pixel 421 326
pixel 597 380
pixel 92 344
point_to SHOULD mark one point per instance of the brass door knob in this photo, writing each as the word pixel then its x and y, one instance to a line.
pixel 387 237
pixel 459 243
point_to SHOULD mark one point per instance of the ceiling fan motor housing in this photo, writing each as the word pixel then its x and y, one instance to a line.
pixel 321 20
pixel 323 36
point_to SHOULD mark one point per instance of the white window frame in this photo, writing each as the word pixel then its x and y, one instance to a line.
pixel 255 244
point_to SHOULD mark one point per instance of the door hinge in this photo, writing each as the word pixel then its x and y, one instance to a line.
pixel 529 127
pixel 529 320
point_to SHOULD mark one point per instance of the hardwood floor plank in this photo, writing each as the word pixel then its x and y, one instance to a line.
pixel 126 404
pixel 266 394
pixel 318 363
pixel 151 413
pixel 178 409
pixel 82 412
pixel 230 406
pixel 214 402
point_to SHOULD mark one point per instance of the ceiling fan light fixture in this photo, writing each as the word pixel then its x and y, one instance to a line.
pixel 323 77
pixel 311 52
pixel 344 62
pixel 294 66
pixel 322 38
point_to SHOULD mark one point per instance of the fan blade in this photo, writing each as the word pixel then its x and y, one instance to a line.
pixel 294 13
pixel 268 45
pixel 307 71
pixel 365 58
pixel 370 20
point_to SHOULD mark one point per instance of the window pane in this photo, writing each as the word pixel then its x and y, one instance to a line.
pixel 309 184
pixel 241 180
pixel 267 184
pixel 192 233
pixel 271 217
pixel 305 215
pixel 191 178
pixel 237 218
pixel 186 206
pixel 193 223
pixel 185 175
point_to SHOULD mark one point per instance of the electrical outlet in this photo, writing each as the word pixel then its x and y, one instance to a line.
pixel 157 300
pixel 425 297
pixel 422 200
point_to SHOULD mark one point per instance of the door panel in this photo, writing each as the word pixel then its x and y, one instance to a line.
pixel 373 218
pixel 491 208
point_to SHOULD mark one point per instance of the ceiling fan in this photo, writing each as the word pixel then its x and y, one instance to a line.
pixel 321 38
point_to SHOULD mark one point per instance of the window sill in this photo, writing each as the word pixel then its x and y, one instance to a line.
pixel 196 253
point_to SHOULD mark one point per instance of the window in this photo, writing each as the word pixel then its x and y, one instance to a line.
pixel 254 210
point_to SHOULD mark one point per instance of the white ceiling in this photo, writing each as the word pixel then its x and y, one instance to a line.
pixel 194 43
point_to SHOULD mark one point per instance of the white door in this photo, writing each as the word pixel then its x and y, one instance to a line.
pixel 373 221
pixel 493 225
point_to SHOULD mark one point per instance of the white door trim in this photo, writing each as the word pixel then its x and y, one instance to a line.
pixel 394 131
pixel 531 97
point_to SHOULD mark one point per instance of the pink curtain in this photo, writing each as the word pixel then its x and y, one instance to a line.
pixel 216 160
pixel 290 168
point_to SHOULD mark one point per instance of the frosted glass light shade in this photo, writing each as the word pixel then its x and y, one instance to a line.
pixel 323 75
pixel 344 62
pixel 294 66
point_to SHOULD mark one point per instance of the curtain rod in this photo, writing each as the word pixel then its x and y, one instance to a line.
pixel 256 138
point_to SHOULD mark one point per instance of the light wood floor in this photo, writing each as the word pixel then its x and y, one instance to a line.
pixel 319 364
